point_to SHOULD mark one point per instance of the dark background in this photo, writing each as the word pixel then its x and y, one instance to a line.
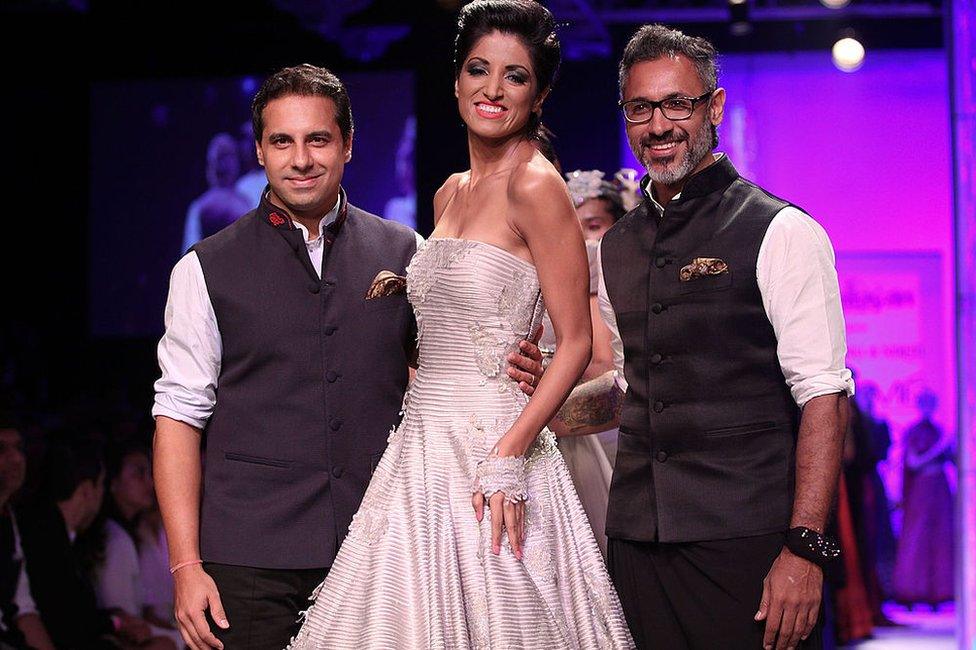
pixel 52 52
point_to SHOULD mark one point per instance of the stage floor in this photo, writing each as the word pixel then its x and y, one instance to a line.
pixel 919 629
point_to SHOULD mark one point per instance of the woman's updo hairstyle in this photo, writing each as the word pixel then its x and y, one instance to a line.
pixel 526 19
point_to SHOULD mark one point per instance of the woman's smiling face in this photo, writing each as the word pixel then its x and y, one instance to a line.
pixel 497 89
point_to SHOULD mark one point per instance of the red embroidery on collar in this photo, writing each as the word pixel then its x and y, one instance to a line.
pixel 276 219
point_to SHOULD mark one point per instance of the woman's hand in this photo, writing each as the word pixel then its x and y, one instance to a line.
pixel 501 480
pixel 504 514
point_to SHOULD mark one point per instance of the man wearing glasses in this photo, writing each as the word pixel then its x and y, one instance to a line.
pixel 730 387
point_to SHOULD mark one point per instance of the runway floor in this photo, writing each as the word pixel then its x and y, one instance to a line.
pixel 917 630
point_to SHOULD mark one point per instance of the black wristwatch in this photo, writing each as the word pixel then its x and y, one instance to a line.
pixel 812 546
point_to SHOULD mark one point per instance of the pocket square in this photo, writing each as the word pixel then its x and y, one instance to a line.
pixel 386 283
pixel 702 266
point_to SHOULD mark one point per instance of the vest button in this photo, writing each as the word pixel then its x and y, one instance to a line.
pixel 337 472
pixel 657 308
pixel 660 262
pixel 336 424
pixel 656 358
pixel 330 330
pixel 331 376
pixel 658 407
pixel 314 288
pixel 662 456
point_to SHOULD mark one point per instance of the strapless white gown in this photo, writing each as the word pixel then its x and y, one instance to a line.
pixel 416 570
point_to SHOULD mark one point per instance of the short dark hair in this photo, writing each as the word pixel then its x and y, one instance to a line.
pixel 67 465
pixel 304 80
pixel 654 41
pixel 530 22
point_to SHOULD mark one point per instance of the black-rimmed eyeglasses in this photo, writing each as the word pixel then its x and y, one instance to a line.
pixel 638 111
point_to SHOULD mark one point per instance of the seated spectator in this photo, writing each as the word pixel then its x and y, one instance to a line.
pixel 20 624
pixel 157 583
pixel 118 574
pixel 69 503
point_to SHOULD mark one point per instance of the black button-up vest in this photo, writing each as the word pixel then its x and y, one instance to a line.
pixel 312 378
pixel 708 426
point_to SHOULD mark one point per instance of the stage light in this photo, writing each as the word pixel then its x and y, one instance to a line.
pixel 835 4
pixel 848 54
pixel 739 23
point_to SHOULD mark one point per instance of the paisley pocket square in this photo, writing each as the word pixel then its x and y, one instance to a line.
pixel 702 266
pixel 386 283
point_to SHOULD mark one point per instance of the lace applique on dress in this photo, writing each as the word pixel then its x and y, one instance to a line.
pixel 537 556
pixel 490 346
pixel 544 446
pixel 396 432
pixel 493 342
pixel 478 621
pixel 602 602
pixel 369 524
pixel 431 259
pixel 470 443
pixel 514 295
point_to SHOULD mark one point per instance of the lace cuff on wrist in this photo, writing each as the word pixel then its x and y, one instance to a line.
pixel 502 474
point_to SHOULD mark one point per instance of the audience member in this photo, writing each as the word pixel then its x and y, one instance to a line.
pixel 20 624
pixel 118 572
pixel 924 560
pixel 157 583
pixel 58 567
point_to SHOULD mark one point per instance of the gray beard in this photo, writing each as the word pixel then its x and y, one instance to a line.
pixel 700 146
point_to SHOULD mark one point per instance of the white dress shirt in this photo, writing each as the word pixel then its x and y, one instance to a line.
pixel 190 350
pixel 801 297
pixel 22 596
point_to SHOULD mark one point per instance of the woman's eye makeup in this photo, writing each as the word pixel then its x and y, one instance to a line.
pixel 512 76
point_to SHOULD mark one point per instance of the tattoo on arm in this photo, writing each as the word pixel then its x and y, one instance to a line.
pixel 592 407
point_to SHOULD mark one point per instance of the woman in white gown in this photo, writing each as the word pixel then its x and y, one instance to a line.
pixel 470 534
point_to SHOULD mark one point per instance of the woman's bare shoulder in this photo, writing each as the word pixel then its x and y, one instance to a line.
pixel 535 180
pixel 443 195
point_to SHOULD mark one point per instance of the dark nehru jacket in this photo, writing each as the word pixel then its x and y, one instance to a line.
pixel 708 427
pixel 312 377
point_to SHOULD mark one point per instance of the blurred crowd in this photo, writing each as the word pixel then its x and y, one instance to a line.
pixel 913 568
pixel 83 560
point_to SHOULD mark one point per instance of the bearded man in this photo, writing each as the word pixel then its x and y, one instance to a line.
pixel 730 388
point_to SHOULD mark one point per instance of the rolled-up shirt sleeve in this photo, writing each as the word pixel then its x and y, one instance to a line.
pixel 190 349
pixel 800 293
pixel 610 318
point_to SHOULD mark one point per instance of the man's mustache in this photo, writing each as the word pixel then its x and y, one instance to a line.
pixel 665 138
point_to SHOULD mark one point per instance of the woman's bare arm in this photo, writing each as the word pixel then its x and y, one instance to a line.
pixel 543 215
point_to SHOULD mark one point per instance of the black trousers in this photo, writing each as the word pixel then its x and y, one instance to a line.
pixel 698 595
pixel 262 605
